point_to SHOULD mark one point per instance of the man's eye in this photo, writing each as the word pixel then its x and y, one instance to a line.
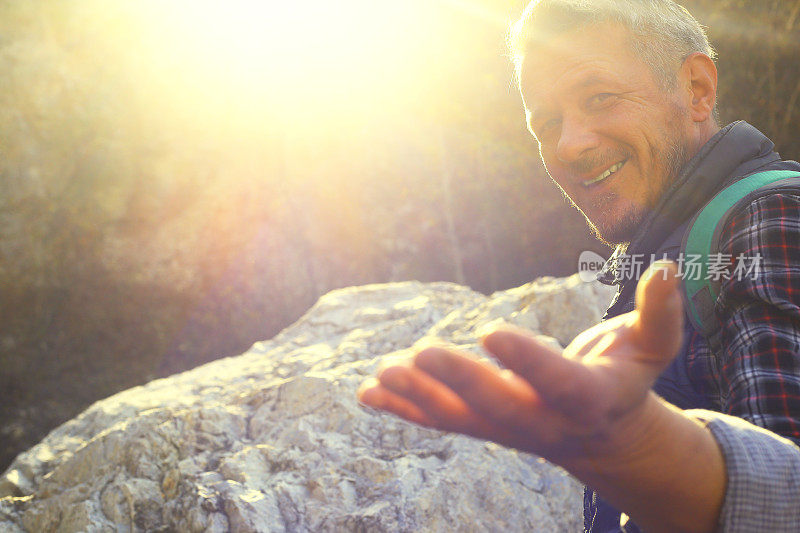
pixel 599 100
pixel 549 126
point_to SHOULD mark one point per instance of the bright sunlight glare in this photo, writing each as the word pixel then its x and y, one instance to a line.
pixel 290 34
pixel 279 54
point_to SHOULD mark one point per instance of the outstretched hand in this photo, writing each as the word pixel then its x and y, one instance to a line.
pixel 589 408
pixel 569 407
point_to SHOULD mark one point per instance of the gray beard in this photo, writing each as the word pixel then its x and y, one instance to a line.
pixel 624 227
pixel 675 156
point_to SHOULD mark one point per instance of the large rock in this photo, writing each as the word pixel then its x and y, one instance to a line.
pixel 274 440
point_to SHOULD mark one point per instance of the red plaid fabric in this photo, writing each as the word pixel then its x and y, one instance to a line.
pixel 757 375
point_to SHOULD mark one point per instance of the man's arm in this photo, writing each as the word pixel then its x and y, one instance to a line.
pixel 763 471
pixel 588 409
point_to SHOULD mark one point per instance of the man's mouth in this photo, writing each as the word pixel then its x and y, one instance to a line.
pixel 611 170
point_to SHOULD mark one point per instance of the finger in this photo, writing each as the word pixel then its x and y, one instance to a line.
pixel 436 400
pixel 659 327
pixel 499 396
pixel 432 396
pixel 585 341
pixel 373 394
pixel 564 384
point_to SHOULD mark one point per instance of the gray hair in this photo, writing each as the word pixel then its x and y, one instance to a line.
pixel 663 33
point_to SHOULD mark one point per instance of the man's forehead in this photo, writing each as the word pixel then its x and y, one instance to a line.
pixel 579 59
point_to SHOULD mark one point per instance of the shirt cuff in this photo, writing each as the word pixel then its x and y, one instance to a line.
pixel 763 472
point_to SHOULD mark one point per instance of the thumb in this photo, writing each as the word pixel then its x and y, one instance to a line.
pixel 659 326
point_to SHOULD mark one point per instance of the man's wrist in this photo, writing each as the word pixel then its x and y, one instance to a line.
pixel 623 444
pixel 655 454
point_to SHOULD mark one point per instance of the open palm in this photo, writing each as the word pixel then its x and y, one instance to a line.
pixel 570 406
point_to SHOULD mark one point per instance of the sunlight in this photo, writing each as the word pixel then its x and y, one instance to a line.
pixel 285 34
pixel 262 52
pixel 236 72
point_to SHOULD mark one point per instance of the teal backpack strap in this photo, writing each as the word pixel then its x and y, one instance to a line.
pixel 701 240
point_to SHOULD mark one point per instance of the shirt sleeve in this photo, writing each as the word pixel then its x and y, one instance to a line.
pixel 759 310
pixel 763 476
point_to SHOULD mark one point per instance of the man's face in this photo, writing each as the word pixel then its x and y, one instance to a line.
pixel 610 136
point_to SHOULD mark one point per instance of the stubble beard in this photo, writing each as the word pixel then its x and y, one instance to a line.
pixel 620 227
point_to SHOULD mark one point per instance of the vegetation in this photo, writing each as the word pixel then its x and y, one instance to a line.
pixel 157 212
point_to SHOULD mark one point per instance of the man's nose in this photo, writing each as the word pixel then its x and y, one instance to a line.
pixel 575 141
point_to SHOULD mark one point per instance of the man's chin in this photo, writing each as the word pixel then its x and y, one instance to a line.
pixel 613 220
pixel 616 231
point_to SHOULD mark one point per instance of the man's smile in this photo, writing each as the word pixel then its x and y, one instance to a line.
pixel 611 170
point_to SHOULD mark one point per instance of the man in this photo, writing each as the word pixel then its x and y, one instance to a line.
pixel 620 95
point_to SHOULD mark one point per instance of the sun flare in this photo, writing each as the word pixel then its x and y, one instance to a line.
pixel 263 52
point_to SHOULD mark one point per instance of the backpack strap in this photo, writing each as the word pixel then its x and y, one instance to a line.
pixel 701 240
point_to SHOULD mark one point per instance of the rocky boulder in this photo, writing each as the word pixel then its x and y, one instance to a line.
pixel 274 440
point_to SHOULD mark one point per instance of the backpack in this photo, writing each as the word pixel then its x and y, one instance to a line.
pixel 701 242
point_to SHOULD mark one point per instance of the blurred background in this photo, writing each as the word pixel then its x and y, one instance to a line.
pixel 179 179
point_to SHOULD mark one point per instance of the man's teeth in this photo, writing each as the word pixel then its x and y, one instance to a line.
pixel 605 174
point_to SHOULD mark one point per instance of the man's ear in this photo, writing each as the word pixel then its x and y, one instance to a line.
pixel 699 74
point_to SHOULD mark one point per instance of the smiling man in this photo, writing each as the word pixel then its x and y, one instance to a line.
pixel 621 96
pixel 610 134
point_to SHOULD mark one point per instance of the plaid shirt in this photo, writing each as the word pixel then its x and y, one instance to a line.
pixel 757 377
pixel 763 489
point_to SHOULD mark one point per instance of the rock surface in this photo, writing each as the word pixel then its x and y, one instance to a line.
pixel 274 440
